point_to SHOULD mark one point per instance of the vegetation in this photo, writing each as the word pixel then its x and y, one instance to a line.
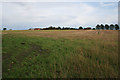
pixel 60 54
pixel 107 27
pixel 102 26
pixel 4 28
pixel 98 27
pixel 116 26
pixel 80 27
pixel 58 28
pixel 93 28
pixel 112 27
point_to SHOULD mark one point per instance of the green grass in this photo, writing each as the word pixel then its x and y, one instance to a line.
pixel 45 57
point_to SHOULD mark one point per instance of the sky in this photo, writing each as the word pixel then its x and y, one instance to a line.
pixel 25 15
pixel 59 0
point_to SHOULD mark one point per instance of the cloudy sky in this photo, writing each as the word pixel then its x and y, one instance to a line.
pixel 25 15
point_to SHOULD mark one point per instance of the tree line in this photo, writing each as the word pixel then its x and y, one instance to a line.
pixel 64 28
pixel 58 28
pixel 98 27
pixel 107 27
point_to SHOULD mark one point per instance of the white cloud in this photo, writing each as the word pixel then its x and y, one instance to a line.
pixel 61 0
pixel 106 4
pixel 0 15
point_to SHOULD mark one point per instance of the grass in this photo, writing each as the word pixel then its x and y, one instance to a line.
pixel 60 54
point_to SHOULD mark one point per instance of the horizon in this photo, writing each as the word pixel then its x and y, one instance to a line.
pixel 62 27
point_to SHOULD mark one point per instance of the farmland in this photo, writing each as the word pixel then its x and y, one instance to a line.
pixel 60 54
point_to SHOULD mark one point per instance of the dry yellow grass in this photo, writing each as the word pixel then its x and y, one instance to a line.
pixel 78 34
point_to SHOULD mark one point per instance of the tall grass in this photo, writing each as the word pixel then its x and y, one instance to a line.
pixel 64 57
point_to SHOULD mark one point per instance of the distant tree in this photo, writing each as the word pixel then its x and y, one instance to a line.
pixel 4 28
pixel 102 26
pixel 50 28
pixel 112 27
pixel 63 28
pixel 67 28
pixel 72 28
pixel 80 27
pixel 53 28
pixel 116 26
pixel 93 28
pixel 106 26
pixel 98 26
pixel 59 28
pixel 10 29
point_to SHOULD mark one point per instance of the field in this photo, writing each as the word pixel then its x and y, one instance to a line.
pixel 60 54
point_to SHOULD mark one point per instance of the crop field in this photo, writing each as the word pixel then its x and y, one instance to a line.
pixel 60 54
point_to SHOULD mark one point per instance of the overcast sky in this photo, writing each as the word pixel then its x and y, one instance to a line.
pixel 25 15
pixel 59 0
